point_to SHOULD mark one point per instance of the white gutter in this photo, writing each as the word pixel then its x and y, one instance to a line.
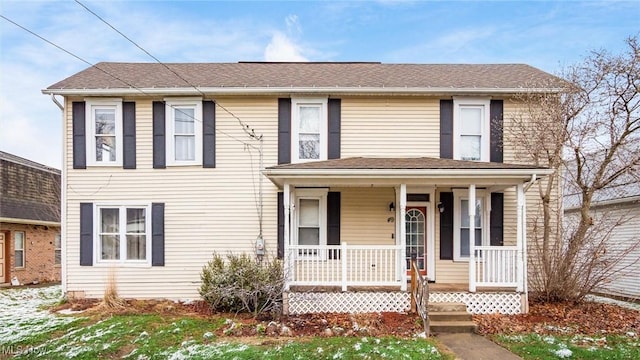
pixel 530 182
pixel 619 201
pixel 53 98
pixel 29 222
pixel 292 90
pixel 402 173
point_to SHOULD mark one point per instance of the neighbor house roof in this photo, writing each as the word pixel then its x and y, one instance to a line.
pixel 248 77
pixel 30 192
pixel 423 170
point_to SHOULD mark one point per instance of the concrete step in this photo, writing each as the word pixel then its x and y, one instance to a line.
pixel 452 326
pixel 450 316
pixel 447 307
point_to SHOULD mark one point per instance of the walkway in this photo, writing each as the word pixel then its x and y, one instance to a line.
pixel 475 347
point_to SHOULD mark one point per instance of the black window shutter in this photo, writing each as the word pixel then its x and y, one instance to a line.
pixel 446 226
pixel 159 144
pixel 280 225
pixel 79 135
pixel 334 128
pixel 496 110
pixel 157 234
pixel 333 222
pixel 86 234
pixel 129 135
pixel 284 131
pixel 446 129
pixel 496 220
pixel 208 134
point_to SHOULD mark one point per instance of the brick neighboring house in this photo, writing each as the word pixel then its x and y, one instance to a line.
pixel 30 242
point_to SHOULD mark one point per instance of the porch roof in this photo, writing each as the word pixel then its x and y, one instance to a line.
pixel 411 170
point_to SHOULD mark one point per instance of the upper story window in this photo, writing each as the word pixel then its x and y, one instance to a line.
pixel 184 131
pixel 123 234
pixel 104 126
pixel 309 130
pixel 471 129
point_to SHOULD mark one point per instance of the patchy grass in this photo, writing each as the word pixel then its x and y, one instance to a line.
pixel 29 331
pixel 534 346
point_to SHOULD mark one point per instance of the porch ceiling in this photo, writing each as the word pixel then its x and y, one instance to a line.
pixel 378 171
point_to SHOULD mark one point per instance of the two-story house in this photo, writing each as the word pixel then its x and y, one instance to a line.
pixel 364 166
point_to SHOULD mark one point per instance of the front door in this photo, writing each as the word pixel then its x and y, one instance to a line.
pixel 3 258
pixel 415 222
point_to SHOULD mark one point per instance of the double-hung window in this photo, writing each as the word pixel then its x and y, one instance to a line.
pixel 309 136
pixel 57 249
pixel 104 126
pixel 462 224
pixel 311 208
pixel 184 131
pixel 18 248
pixel 471 129
pixel 123 234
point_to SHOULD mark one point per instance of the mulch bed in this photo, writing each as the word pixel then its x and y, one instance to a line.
pixel 563 318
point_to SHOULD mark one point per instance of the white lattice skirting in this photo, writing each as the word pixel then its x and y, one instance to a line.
pixel 347 302
pixel 482 303
pixel 369 302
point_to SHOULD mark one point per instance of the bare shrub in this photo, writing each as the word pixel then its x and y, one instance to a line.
pixel 240 283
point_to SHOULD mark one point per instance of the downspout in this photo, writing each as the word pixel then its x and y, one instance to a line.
pixel 63 203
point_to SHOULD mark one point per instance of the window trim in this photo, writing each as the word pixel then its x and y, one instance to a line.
pixel 98 261
pixel 485 136
pixel 55 249
pixel 170 105
pixel 90 125
pixel 15 249
pixel 295 131
pixel 458 196
pixel 312 194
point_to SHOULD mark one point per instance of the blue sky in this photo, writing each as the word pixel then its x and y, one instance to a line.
pixel 545 34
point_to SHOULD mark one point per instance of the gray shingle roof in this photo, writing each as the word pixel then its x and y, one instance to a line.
pixel 419 163
pixel 308 75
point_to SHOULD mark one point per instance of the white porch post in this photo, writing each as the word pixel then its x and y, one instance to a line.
pixel 520 234
pixel 403 237
pixel 288 261
pixel 472 238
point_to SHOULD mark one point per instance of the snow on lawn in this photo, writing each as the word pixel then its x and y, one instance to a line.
pixel 23 313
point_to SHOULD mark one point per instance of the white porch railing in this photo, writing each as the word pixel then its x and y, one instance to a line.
pixel 496 266
pixel 343 265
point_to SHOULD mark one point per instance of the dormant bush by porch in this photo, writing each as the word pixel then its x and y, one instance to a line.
pixel 240 283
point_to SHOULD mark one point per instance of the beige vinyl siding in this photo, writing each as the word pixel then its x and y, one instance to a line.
pixel 206 210
pixel 364 214
pixel 400 127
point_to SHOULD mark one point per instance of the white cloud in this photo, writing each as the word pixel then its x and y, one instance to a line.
pixel 281 48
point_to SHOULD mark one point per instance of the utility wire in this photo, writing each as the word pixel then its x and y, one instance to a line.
pixel 250 132
pixel 122 80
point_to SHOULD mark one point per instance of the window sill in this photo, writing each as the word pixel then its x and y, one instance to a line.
pixel 122 264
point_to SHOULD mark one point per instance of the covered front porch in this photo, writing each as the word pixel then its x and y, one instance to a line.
pixel 353 225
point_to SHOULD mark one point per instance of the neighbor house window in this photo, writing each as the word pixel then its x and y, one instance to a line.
pixel 462 225
pixel 18 248
pixel 57 249
pixel 104 126
pixel 471 129
pixel 309 135
pixel 123 233
pixel 312 221
pixel 184 132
